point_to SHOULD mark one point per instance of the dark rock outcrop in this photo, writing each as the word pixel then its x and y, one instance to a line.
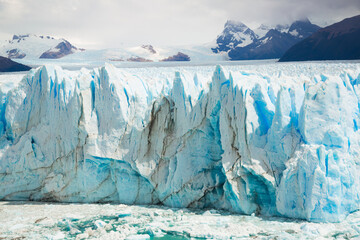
pixel 178 57
pixel 7 65
pixel 15 53
pixel 150 48
pixel 18 37
pixel 138 59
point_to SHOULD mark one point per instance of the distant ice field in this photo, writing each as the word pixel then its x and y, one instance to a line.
pixel 74 64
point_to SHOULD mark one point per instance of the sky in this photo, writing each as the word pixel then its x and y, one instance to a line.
pixel 95 24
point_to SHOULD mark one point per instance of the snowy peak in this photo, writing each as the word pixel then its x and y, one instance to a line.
pixel 32 46
pixel 262 30
pixel 302 28
pixel 235 34
pixel 62 49
pixel 240 42
pixel 235 26
pixel 283 28
pixel 262 43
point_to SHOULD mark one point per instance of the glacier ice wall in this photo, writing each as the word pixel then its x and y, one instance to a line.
pixel 277 139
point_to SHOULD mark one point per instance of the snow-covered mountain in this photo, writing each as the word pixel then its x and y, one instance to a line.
pixel 32 49
pixel 265 42
pixel 274 139
pixel 235 34
pixel 262 30
pixel 31 46
pixel 236 42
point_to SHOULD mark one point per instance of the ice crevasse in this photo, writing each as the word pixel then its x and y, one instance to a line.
pixel 278 139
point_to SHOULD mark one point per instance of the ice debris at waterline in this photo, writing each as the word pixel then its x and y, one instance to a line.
pixel 276 139
pixel 34 220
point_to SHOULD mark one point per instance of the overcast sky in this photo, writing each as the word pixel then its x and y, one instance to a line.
pixel 116 23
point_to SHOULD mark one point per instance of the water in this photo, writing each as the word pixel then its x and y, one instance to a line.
pixel 33 220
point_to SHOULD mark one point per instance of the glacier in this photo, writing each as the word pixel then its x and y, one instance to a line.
pixel 273 139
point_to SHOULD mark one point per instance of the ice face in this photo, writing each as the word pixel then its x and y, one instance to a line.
pixel 276 139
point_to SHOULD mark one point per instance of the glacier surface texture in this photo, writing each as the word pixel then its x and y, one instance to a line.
pixel 273 139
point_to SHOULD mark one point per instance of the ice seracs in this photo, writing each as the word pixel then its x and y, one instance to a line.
pixel 270 139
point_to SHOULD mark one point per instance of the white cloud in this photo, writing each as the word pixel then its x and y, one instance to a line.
pixel 111 23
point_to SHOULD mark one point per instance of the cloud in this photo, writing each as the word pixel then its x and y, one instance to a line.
pixel 282 11
pixel 112 23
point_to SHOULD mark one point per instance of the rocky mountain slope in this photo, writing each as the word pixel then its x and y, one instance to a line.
pixel 7 65
pixel 340 41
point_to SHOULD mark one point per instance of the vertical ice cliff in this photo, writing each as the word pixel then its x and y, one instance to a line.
pixel 275 140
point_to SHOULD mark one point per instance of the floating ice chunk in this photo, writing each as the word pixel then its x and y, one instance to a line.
pixel 99 224
pixel 138 237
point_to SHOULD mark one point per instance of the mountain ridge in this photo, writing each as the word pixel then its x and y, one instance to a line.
pixel 265 42
pixel 339 41
pixel 36 46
